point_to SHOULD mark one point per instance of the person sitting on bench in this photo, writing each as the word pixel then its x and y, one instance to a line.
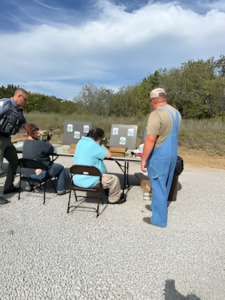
pixel 90 153
pixel 33 148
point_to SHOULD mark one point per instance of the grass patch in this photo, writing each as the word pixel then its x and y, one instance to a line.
pixel 200 135
pixel 204 135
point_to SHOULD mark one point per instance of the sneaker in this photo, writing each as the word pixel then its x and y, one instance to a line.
pixel 28 187
pixel 121 200
pixel 148 220
pixel 62 192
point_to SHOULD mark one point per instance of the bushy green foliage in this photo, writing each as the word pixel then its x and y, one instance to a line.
pixel 196 89
pixel 8 91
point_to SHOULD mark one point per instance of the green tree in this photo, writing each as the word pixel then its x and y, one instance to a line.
pixel 36 102
pixel 51 104
pixel 195 88
pixel 7 92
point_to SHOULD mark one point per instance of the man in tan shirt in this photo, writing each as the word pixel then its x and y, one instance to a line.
pixel 160 153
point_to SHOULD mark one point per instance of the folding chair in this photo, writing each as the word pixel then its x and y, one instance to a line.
pixel 98 188
pixel 33 164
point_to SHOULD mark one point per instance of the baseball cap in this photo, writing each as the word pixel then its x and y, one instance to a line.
pixel 155 93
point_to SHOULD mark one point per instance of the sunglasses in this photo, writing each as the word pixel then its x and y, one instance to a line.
pixel 35 129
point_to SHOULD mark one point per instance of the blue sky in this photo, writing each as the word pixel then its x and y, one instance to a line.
pixel 57 46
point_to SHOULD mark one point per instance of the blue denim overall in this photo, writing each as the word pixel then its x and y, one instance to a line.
pixel 161 165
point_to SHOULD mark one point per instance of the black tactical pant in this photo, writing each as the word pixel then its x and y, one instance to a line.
pixel 8 151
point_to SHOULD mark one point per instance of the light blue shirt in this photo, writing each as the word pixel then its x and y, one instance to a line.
pixel 89 153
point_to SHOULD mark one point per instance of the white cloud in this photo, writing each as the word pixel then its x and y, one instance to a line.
pixel 218 5
pixel 118 48
pixel 47 6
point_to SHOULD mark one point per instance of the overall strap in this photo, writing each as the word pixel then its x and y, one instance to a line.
pixel 174 118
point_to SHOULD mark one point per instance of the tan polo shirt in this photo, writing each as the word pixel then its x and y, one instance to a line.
pixel 160 123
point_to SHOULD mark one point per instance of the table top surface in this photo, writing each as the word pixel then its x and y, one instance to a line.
pixel 61 150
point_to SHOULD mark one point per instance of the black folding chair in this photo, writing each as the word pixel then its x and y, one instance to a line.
pixel 98 188
pixel 33 164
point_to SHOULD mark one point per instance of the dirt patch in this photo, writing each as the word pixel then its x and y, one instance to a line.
pixel 199 158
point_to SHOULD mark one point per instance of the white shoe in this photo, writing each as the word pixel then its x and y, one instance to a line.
pixel 27 187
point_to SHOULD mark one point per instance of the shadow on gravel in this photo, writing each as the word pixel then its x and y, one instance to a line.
pixel 172 294
pixel 3 201
pixel 133 180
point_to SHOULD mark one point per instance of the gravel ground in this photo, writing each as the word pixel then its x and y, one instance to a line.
pixel 48 254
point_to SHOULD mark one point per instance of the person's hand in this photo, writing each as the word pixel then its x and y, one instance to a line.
pixel 143 166
pixel 38 171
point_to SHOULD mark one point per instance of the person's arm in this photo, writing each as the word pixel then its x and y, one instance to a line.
pixel 108 153
pixel 4 106
pixel 148 146
pixel 50 149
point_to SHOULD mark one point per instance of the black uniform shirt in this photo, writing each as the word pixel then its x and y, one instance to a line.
pixel 36 149
pixel 5 105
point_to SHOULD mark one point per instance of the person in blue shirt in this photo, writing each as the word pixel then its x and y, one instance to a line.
pixel 90 153
pixel 11 120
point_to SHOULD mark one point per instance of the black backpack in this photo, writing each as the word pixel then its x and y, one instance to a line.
pixel 179 166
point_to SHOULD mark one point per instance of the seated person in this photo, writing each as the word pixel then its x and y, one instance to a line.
pixel 33 148
pixel 90 153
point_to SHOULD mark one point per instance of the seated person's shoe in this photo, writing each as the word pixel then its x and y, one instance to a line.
pixel 62 192
pixel 28 186
pixel 121 200
pixel 12 189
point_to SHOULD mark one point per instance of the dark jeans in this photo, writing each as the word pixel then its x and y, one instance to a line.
pixel 8 151
pixel 55 170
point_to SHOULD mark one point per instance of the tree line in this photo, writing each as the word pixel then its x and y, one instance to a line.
pixel 196 89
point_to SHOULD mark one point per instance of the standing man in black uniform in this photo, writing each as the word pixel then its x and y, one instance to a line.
pixel 11 120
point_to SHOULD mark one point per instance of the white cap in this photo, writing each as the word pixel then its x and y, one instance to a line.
pixel 155 93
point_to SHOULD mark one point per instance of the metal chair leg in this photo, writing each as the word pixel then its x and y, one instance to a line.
pixel 98 209
pixel 53 186
pixel 128 183
pixel 19 189
pixel 44 192
pixel 75 195
pixel 68 208
pixel 19 185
